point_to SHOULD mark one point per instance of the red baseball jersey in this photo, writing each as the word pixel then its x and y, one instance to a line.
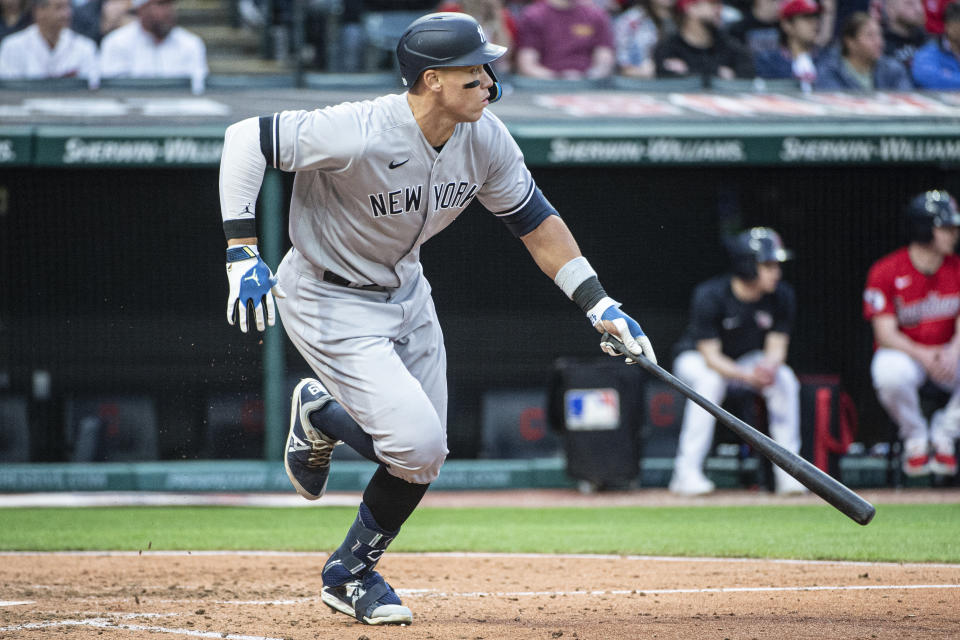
pixel 926 306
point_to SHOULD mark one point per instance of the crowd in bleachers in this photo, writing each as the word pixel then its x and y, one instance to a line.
pixel 819 44
pixel 98 39
pixel 868 45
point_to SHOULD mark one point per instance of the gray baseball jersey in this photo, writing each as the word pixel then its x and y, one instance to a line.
pixel 370 189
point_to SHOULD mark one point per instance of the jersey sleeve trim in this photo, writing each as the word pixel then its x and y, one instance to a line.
pixel 527 216
pixel 270 139
pixel 523 202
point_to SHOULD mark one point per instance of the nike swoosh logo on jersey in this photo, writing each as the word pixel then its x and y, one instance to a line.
pixel 393 164
pixel 902 282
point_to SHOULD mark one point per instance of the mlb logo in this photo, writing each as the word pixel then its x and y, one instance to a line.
pixel 592 409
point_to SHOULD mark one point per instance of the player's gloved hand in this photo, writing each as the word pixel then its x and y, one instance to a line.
pixel 607 317
pixel 251 284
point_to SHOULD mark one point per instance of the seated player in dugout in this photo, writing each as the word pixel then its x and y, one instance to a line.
pixel 374 180
pixel 738 336
pixel 912 300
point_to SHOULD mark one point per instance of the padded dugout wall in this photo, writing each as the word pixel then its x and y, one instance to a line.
pixel 112 280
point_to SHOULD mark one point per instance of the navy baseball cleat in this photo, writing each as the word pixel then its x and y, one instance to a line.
pixel 307 458
pixel 368 599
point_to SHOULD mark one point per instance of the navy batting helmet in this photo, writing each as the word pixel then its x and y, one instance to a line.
pixel 928 210
pixel 446 39
pixel 759 244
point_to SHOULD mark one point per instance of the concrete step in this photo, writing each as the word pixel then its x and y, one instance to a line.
pixel 246 64
pixel 204 12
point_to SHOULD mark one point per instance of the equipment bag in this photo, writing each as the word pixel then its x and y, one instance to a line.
pixel 828 421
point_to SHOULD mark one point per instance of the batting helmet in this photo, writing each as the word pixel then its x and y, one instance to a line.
pixel 928 210
pixel 446 39
pixel 759 244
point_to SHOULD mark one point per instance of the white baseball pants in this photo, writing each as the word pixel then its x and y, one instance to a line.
pixel 696 432
pixel 897 379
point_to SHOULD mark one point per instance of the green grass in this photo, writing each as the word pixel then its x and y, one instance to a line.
pixel 900 533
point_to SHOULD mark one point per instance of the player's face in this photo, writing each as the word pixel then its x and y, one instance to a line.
pixel 945 239
pixel 465 91
pixel 768 276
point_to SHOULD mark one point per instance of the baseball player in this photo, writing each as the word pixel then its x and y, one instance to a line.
pixel 374 181
pixel 912 300
pixel 738 335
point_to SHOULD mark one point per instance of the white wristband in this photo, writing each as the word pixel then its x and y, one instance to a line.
pixel 573 274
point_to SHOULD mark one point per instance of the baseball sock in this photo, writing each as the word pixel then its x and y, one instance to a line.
pixel 387 503
pixel 335 422
pixel 391 500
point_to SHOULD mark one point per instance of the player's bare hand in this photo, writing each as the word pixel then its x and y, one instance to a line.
pixel 606 317
pixel 764 374
pixel 944 368
pixel 252 286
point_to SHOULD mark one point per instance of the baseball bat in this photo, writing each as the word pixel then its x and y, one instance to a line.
pixel 822 484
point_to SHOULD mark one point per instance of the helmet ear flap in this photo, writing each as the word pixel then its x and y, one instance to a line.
pixel 496 90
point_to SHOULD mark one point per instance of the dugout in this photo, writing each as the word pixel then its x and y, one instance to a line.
pixel 111 247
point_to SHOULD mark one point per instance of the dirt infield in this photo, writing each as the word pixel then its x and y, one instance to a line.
pixel 241 596
pixel 482 597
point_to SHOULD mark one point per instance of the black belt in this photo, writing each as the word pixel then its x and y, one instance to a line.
pixel 337 279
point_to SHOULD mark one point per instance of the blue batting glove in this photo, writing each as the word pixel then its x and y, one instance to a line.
pixel 251 282
pixel 607 317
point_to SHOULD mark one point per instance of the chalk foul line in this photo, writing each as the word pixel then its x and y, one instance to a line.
pixel 104 623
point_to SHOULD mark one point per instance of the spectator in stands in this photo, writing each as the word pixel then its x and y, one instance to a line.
pixel 912 300
pixel 861 65
pixel 700 47
pixel 498 24
pixel 153 46
pixel 757 29
pixel 936 65
pixel 565 39
pixel 14 16
pixel 738 338
pixel 637 31
pixel 798 51
pixel 760 29
pixel 48 48
pixel 903 29
pixel 97 18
